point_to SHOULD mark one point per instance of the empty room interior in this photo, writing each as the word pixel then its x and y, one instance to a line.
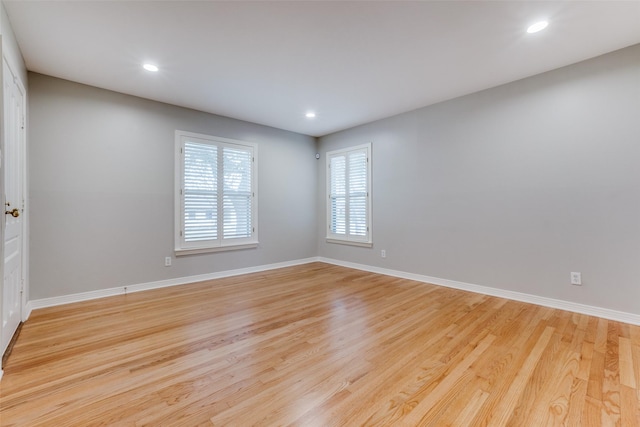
pixel 320 213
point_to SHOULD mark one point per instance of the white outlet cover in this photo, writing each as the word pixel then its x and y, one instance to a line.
pixel 576 278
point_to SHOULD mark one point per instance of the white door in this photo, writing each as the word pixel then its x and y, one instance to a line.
pixel 14 205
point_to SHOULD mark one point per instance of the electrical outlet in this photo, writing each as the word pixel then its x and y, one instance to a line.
pixel 383 253
pixel 167 261
pixel 576 278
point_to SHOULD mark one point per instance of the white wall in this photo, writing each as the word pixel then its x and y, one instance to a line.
pixel 10 47
pixel 102 190
pixel 513 187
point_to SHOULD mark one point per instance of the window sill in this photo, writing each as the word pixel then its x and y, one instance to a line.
pixel 182 252
pixel 350 243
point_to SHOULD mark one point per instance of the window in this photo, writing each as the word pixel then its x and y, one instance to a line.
pixel 349 194
pixel 216 194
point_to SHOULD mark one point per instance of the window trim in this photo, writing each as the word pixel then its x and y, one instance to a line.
pixel 180 247
pixel 346 239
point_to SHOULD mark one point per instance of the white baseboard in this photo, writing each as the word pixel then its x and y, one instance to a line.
pixel 28 308
pixel 120 290
pixel 606 313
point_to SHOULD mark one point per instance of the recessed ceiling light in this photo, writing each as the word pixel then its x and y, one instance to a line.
pixel 150 67
pixel 310 115
pixel 538 26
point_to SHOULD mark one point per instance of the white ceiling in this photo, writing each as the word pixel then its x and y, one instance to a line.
pixel 350 62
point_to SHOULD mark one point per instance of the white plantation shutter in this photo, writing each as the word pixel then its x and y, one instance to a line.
pixel 237 193
pixel 358 193
pixel 215 194
pixel 200 192
pixel 349 182
pixel 338 194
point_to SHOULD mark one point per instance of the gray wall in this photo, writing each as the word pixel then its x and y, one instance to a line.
pixel 101 178
pixel 513 187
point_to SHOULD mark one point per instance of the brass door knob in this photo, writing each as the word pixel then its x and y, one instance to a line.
pixel 14 213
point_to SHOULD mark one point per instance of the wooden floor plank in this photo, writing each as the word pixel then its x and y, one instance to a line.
pixel 627 374
pixel 610 415
pixel 319 345
pixel 467 409
pixel 503 412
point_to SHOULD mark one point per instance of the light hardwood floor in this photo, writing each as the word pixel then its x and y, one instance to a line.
pixel 319 345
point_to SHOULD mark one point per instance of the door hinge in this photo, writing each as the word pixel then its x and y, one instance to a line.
pixel 180 233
